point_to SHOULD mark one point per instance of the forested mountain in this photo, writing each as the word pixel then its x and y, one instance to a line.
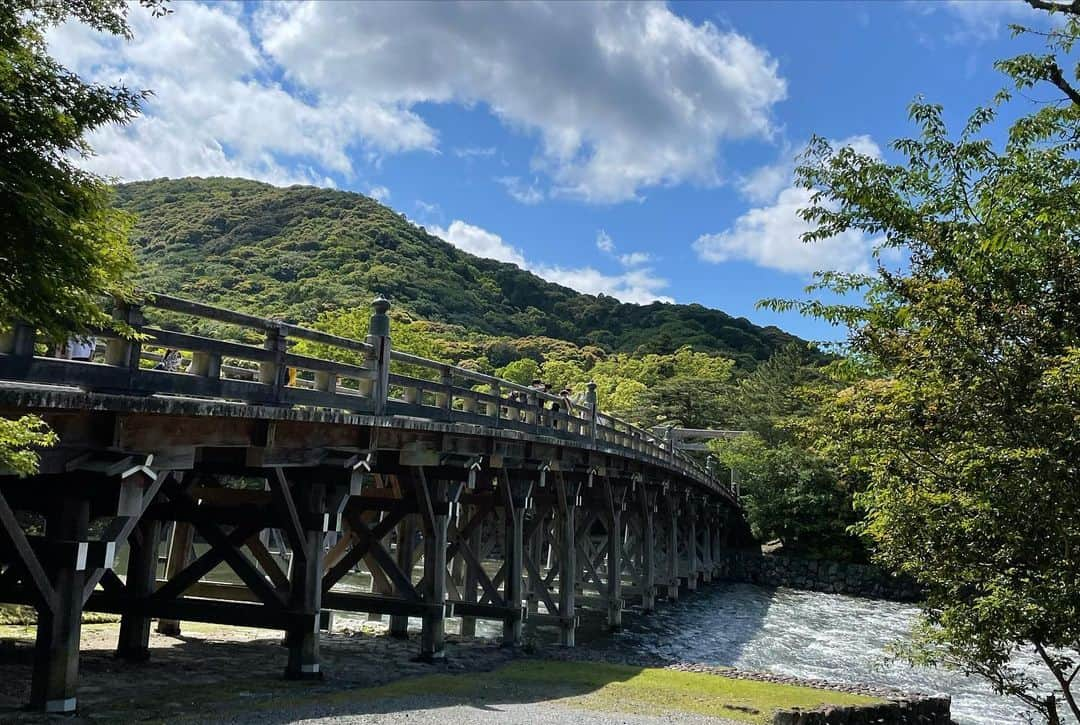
pixel 298 252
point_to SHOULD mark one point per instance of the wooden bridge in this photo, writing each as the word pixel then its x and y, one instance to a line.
pixel 397 485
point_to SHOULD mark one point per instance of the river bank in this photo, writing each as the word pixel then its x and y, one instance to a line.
pixel 819 575
pixel 231 674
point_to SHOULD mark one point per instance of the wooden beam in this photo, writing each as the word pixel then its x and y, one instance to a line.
pixel 28 563
pixel 363 544
pixel 286 507
pixel 202 566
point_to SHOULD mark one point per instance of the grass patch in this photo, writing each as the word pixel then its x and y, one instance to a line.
pixel 18 614
pixel 622 688
pixel 582 686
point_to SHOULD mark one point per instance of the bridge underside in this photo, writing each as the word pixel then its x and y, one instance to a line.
pixel 310 511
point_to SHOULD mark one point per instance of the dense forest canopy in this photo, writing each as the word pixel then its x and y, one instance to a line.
pixel 299 252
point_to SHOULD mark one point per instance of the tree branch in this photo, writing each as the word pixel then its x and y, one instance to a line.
pixel 1072 8
pixel 1074 706
pixel 1058 80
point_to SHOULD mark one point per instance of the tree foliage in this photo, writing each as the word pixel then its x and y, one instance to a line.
pixel 964 429
pixel 19 441
pixel 790 491
pixel 64 244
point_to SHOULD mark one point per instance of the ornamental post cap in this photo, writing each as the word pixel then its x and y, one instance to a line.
pixel 380 321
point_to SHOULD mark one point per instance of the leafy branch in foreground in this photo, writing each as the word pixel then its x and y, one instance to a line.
pixel 64 247
pixel 963 429
pixel 19 440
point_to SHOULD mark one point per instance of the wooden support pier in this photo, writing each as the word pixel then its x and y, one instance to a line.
pixel 285 473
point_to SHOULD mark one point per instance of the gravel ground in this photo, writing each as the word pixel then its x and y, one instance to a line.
pixel 434 711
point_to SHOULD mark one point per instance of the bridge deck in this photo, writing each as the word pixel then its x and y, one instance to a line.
pixel 323 473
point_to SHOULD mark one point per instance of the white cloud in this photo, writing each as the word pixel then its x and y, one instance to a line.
pixel 765 182
pixel 604 242
pixel 770 235
pixel 215 110
pixel 634 259
pixel 982 20
pixel 472 152
pixel 379 193
pixel 479 241
pixel 428 209
pixel 619 97
pixel 639 285
pixel 520 191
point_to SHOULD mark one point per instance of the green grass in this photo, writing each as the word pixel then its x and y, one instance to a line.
pixel 591 686
pixel 18 614
pixel 621 688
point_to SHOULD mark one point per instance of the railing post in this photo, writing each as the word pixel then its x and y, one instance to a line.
pixel 18 341
pixel 325 381
pixel 495 409
pixel 590 408
pixel 119 351
pixel 205 364
pixel 445 399
pixel 532 405
pixel 273 372
pixel 379 338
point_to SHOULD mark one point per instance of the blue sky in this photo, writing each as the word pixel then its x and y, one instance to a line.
pixel 637 150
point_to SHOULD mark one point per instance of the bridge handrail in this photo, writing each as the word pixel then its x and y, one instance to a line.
pixel 272 374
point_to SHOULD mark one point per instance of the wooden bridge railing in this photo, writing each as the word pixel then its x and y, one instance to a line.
pixel 264 364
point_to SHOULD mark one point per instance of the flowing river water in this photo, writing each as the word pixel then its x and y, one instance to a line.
pixel 806 634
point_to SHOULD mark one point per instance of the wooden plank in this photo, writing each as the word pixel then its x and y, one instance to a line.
pixel 379 604
pixel 498 612
pixel 222 348
pixel 120 537
pixel 210 312
pixel 188 609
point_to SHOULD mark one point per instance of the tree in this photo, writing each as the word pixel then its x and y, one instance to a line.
pixel 964 423
pixel 790 492
pixel 64 246
pixel 690 389
pixel 522 371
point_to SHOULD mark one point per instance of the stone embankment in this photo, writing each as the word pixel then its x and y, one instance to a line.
pixel 858 580
pixel 927 711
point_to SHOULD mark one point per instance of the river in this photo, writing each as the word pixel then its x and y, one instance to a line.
pixel 791 632
pixel 806 634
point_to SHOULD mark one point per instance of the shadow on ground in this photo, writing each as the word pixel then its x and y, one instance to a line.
pixel 216 674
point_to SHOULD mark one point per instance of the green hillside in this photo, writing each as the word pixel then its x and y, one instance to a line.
pixel 300 251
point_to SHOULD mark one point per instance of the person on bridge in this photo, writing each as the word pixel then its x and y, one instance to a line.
pixel 170 362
